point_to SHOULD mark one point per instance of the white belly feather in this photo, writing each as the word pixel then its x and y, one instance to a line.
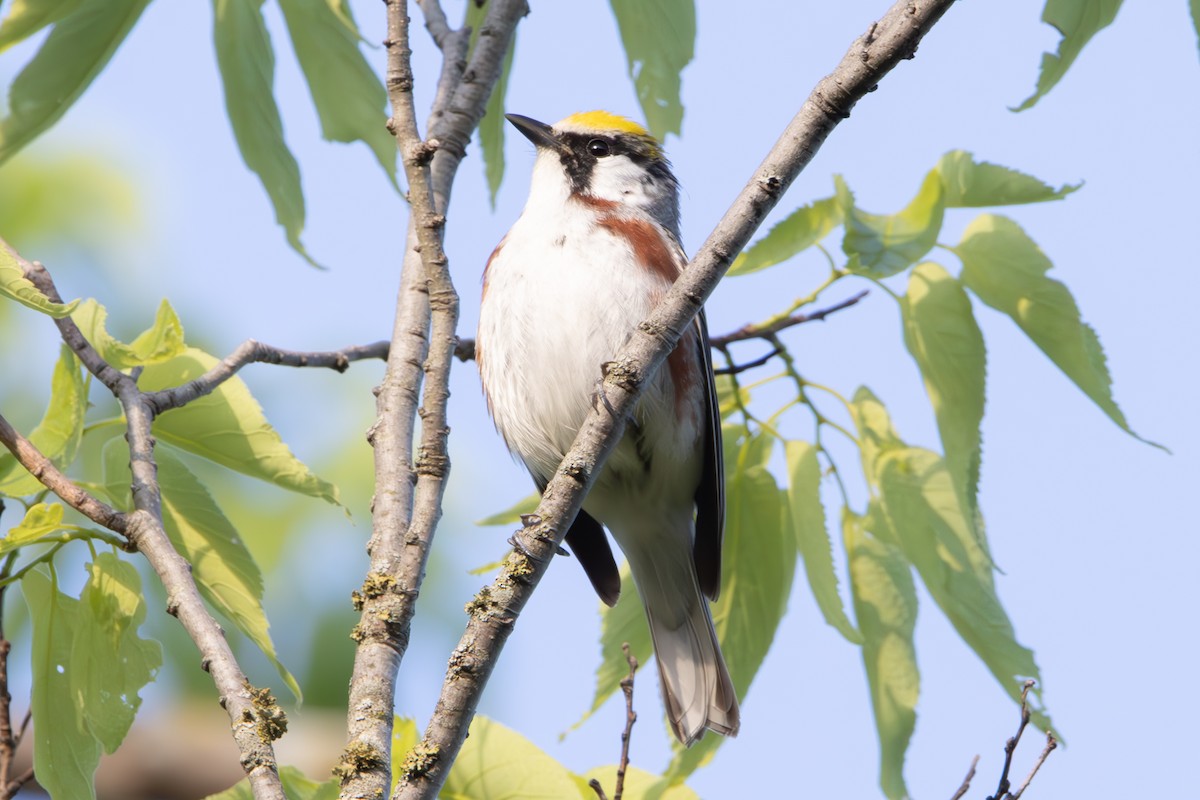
pixel 560 301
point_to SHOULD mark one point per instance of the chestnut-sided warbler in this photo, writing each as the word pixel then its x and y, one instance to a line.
pixel 596 248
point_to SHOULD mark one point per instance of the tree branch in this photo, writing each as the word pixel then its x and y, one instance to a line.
pixel 495 609
pixel 252 352
pixel 765 331
pixel 1010 746
pixel 254 718
pixel 630 719
pixel 1051 744
pixel 738 369
pixel 465 349
pixel 8 740
pixel 42 468
pixel 435 22
pixel 400 538
pixel 39 276
pixel 1003 788
pixel 963 787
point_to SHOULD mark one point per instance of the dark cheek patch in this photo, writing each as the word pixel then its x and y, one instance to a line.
pixel 579 171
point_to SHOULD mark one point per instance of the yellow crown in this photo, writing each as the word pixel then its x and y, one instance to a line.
pixel 602 121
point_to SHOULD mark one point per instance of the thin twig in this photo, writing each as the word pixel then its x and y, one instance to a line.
pixel 966 782
pixel 12 787
pixel 1051 743
pixel 495 609
pixel 435 22
pixel 738 369
pixel 254 352
pixel 28 718
pixel 630 718
pixel 465 350
pixel 39 276
pixel 42 468
pixel 1011 745
pixel 8 742
pixel 759 331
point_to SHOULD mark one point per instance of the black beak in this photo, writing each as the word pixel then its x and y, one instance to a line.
pixel 539 133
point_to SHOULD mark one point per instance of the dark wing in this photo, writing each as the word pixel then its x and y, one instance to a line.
pixel 710 494
pixel 589 543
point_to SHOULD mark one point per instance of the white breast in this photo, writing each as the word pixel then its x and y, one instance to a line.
pixel 560 297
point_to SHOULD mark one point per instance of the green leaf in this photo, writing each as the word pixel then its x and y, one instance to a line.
pixel 70 58
pixel 296 785
pixel 347 93
pixel 65 754
pixel 15 286
pixel 812 535
pixel 1007 270
pixel 41 520
pixel 1077 21
pixel 967 183
pixel 492 126
pixel 497 762
pixel 803 228
pixel 27 17
pixel 876 434
pixel 526 505
pixel 922 505
pixel 247 65
pixel 221 563
pixel 1194 5
pixel 639 785
pixel 119 662
pixel 919 508
pixel 405 737
pixel 659 39
pixel 160 342
pixel 941 334
pixel 879 246
pixel 228 427
pixel 725 397
pixel 59 433
pixel 222 566
pixel 759 565
pixel 885 603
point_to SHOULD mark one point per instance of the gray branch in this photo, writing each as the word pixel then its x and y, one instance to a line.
pixel 42 468
pixel 254 718
pixel 253 352
pixel 407 500
pixel 495 609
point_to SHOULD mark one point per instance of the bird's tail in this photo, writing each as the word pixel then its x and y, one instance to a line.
pixel 697 691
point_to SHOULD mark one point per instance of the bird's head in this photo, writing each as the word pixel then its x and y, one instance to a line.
pixel 605 159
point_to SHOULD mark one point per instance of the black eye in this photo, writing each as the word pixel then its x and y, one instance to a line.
pixel 599 148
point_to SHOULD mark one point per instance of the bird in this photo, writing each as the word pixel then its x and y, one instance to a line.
pixel 595 249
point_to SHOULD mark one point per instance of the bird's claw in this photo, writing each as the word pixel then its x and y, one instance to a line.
pixel 599 397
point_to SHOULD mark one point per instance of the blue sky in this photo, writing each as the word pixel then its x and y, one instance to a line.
pixel 1092 528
